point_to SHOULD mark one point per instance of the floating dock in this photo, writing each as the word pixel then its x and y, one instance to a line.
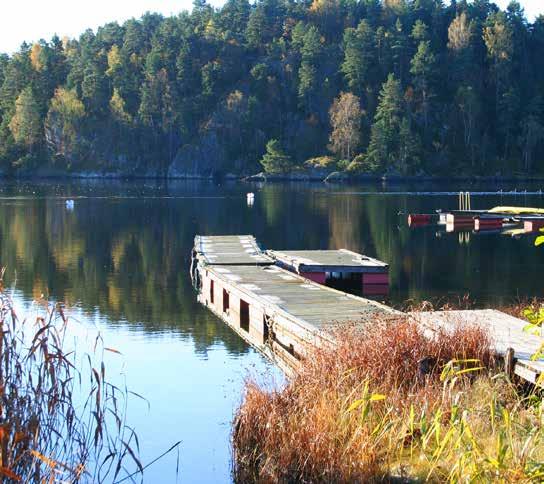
pixel 230 250
pixel 506 220
pixel 279 312
pixel 341 269
pixel 284 314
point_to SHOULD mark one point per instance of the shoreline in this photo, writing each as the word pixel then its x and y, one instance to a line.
pixel 332 178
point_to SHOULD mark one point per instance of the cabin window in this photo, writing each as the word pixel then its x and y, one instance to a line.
pixel 226 301
pixel 211 290
pixel 244 315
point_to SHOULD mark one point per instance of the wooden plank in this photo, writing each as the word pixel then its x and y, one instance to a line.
pixel 505 331
pixel 230 250
pixel 298 297
pixel 341 260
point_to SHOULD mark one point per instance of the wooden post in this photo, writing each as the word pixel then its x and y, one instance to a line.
pixel 509 362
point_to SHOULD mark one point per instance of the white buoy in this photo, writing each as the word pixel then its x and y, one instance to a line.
pixel 69 204
pixel 250 199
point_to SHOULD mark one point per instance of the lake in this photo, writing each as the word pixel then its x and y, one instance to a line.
pixel 120 260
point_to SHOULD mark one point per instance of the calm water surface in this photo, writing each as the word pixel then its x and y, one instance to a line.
pixel 120 260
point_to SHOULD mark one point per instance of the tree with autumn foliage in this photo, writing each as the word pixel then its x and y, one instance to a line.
pixel 345 116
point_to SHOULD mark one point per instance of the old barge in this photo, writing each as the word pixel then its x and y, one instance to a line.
pixel 276 310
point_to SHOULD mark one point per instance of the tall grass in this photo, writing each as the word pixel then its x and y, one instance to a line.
pixel 49 432
pixel 388 403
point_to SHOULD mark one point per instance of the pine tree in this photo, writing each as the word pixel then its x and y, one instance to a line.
pixel 383 147
pixel 399 50
pixel 423 71
pixel 359 57
pixel 500 48
pixel 275 160
pixel 311 50
pixel 532 133
pixel 409 149
pixel 26 124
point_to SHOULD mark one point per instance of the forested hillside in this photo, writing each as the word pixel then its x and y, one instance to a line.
pixel 392 86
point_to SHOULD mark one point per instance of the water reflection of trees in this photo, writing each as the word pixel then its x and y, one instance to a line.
pixel 128 258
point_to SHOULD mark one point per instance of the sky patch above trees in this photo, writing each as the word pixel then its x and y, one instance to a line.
pixel 69 18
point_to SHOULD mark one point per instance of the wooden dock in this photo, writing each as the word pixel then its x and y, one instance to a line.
pixel 230 250
pixel 523 220
pixel 284 314
pixel 279 312
pixel 341 269
pixel 505 331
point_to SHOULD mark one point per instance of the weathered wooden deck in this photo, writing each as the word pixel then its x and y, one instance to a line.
pixel 230 249
pixel 341 260
pixel 310 303
pixel 283 314
pixel 505 331
pixel 279 312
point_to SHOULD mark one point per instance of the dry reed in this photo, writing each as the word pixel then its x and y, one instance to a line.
pixel 48 432
pixel 388 403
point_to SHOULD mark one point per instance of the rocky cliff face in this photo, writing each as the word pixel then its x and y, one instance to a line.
pixel 204 158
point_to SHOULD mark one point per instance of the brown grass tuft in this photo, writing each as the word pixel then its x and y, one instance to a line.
pixel 375 407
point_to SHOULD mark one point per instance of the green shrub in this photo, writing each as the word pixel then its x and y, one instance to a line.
pixel 321 162
pixel 362 164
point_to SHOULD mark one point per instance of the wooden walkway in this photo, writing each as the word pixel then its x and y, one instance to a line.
pixel 284 314
pixel 278 311
pixel 229 250
pixel 303 300
pixel 506 332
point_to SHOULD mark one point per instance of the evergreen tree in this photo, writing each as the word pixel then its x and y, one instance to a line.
pixel 409 149
pixel 399 50
pixel 359 57
pixel 500 48
pixel 532 133
pixel 275 160
pixel 423 71
pixel 26 125
pixel 310 51
pixel 383 149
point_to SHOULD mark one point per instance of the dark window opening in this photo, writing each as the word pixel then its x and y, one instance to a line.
pixel 244 315
pixel 345 281
pixel 265 328
pixel 211 290
pixel 226 301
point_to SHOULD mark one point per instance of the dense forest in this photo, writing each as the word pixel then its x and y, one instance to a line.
pixel 365 86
